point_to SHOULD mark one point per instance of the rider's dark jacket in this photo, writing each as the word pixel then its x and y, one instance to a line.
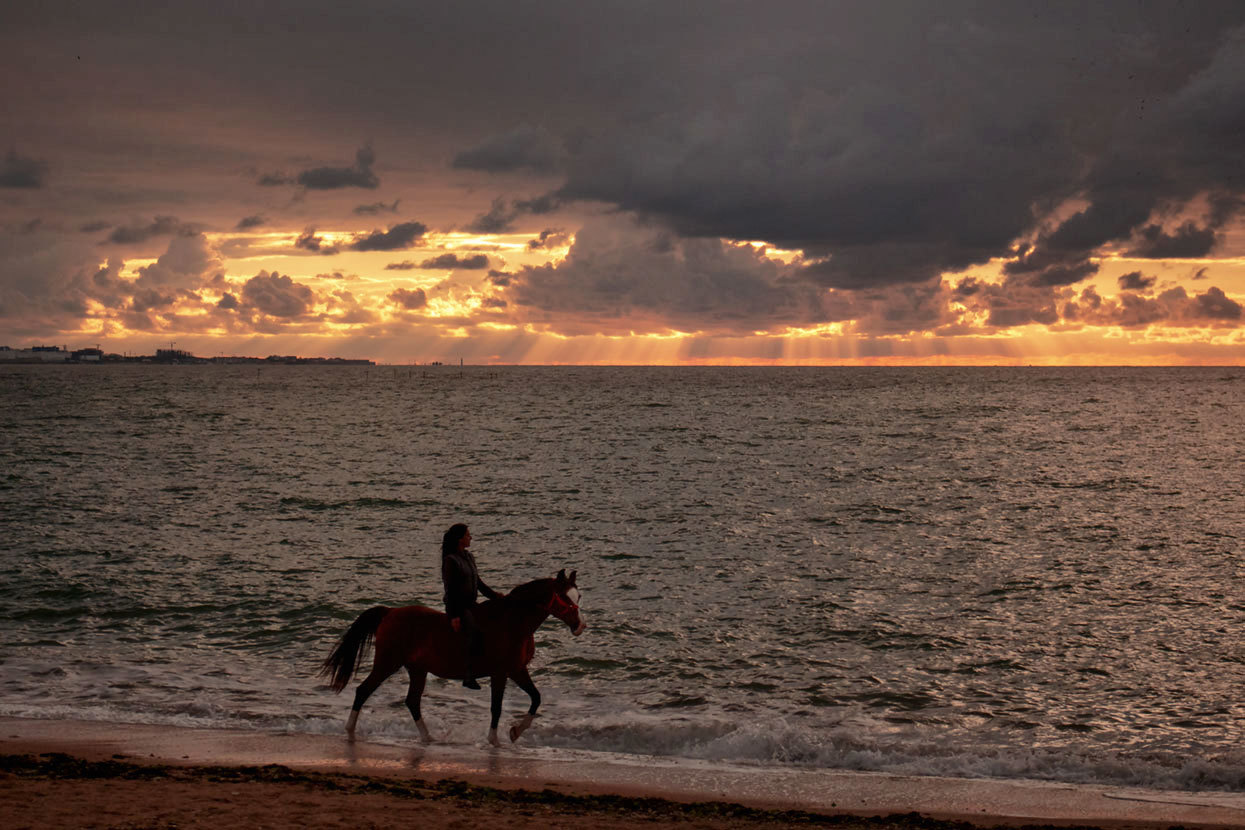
pixel 463 584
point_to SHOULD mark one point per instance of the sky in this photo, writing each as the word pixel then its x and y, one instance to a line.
pixel 635 182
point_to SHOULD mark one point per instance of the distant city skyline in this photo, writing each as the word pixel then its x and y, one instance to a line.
pixel 789 182
pixel 63 354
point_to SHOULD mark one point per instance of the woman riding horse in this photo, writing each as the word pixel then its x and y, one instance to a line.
pixel 463 586
pixel 423 641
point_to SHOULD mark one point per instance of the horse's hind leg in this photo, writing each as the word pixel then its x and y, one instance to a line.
pixel 380 673
pixel 413 696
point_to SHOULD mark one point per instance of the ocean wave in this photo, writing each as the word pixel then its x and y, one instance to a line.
pixel 857 744
pixel 864 745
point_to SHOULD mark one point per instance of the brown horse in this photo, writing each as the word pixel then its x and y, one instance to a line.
pixel 423 641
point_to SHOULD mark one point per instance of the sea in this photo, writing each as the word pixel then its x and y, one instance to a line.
pixel 1017 573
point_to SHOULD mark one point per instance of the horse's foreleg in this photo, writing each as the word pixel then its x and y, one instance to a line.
pixel 413 696
pixel 524 681
pixel 498 688
pixel 370 684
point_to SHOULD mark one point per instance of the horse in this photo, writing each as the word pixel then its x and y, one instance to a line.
pixel 424 640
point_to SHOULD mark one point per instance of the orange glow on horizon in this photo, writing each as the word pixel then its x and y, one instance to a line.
pixel 367 304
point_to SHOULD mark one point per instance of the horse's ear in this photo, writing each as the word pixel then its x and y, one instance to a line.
pixel 562 575
pixel 572 577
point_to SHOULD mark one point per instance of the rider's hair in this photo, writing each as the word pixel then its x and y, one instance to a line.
pixel 449 542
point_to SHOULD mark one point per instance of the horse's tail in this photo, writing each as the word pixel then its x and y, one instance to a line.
pixel 348 653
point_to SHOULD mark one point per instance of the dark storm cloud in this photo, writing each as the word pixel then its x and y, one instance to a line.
pixel 1049 265
pixel 1133 311
pixel 1136 281
pixel 881 183
pixel 1020 303
pixel 545 203
pixel 1065 273
pixel 1215 305
pixel 891 142
pixel 1178 147
pixel 359 174
pixel 21 171
pixel 1015 302
pixel 968 287
pixel 141 232
pixel 549 238
pixel 333 178
pixel 188 262
pixel 400 236
pixel 523 148
pixel 404 265
pixel 631 278
pixel 1223 207
pixel 277 295
pixel 476 262
pixel 248 222
pixel 94 227
pixel 498 218
pixel 377 207
pixel 501 215
pixel 1187 241
pixel 499 278
pixel 409 299
pixel 151 299
pixel 47 278
pixel 888 171
pixel 308 241
pixel 1173 307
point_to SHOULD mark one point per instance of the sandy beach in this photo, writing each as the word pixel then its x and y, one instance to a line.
pixel 92 774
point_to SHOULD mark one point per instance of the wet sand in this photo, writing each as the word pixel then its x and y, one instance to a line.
pixel 90 774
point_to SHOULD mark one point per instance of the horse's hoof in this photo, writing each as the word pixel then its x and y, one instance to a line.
pixel 520 726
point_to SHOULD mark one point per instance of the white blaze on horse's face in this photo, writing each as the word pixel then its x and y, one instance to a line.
pixel 573 595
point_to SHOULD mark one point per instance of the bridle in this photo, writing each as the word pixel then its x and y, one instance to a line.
pixel 558 606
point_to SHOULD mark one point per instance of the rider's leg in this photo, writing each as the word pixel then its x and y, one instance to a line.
pixel 473 641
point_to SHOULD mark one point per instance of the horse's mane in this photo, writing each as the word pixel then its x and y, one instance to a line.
pixel 535 591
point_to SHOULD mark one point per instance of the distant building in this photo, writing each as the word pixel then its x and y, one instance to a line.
pixel 175 356
pixel 36 354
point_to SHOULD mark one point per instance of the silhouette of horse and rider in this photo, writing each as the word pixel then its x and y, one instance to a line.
pixel 492 639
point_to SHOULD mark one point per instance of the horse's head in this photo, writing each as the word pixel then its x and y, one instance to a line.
pixel 564 602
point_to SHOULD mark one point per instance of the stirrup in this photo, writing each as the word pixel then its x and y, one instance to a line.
pixel 471 683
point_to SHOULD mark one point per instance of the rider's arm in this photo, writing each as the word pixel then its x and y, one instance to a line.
pixel 486 590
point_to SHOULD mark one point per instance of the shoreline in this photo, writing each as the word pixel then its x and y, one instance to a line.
pixel 59 762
